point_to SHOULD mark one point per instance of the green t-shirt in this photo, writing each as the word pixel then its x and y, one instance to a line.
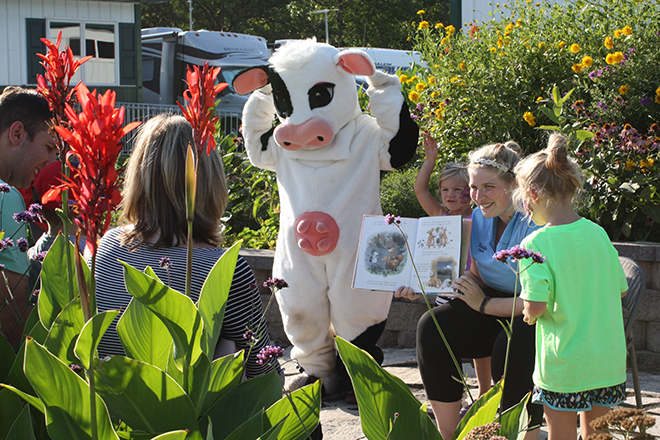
pixel 13 259
pixel 580 342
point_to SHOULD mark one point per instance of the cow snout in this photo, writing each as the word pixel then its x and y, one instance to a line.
pixel 314 132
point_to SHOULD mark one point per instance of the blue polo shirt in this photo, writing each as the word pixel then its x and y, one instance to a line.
pixel 482 248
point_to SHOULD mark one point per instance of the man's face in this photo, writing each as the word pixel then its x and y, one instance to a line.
pixel 31 157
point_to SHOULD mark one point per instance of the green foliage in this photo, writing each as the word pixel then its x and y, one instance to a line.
pixel 351 22
pixel 134 399
pixel 485 84
pixel 253 209
pixel 389 411
pixel 622 188
pixel 397 194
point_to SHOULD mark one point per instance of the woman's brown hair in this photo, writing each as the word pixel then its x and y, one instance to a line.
pixel 154 190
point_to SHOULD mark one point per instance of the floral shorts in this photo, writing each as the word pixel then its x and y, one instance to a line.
pixel 581 401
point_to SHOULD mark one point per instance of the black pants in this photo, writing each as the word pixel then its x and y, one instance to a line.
pixel 472 335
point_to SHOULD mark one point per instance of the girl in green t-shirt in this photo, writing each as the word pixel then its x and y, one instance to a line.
pixel 574 297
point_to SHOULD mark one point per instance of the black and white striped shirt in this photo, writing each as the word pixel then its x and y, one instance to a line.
pixel 243 310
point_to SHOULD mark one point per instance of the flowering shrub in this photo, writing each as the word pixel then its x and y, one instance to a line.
pixel 486 83
pixel 622 185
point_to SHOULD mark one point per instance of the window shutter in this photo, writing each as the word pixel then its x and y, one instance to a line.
pixel 128 51
pixel 36 30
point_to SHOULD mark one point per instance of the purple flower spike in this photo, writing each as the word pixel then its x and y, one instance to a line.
pixel 518 253
pixel 22 244
pixel 269 352
pixel 277 283
pixel 4 188
pixel 165 263
pixel 390 219
pixel 40 256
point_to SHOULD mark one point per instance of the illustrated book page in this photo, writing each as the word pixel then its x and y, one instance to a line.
pixel 384 262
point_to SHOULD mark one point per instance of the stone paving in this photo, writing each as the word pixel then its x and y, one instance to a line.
pixel 341 420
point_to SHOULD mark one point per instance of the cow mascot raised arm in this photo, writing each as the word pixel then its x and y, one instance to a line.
pixel 328 156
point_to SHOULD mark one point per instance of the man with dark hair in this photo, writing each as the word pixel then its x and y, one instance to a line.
pixel 26 147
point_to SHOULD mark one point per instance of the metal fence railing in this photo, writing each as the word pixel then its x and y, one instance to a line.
pixel 230 122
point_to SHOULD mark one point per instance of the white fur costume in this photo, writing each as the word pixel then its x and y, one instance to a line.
pixel 328 157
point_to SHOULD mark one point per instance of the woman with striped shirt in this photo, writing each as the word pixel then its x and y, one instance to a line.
pixel 154 233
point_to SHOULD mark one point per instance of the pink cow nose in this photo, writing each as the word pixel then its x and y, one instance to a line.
pixel 314 132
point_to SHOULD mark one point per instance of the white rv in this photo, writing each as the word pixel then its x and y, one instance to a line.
pixel 167 53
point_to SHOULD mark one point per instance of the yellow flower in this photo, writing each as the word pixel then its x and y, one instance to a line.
pixel 434 94
pixel 454 79
pixel 614 58
pixel 587 61
pixel 438 25
pixel 413 96
pixel 438 112
pixel 414 77
pixel 657 91
pixel 461 66
pixel 421 11
pixel 519 22
pixel 500 43
pixel 577 68
pixel 529 118
pixel 437 66
pixel 540 98
pixel 561 44
pixel 630 165
pixel 575 48
pixel 645 165
pixel 509 27
pixel 409 81
pixel 443 41
pixel 541 44
pixel 623 90
pixel 493 49
pixel 431 80
pixel 627 30
pixel 450 29
pixel 420 86
pixel 609 42
pixel 657 99
pixel 618 57
pixel 617 33
pixel 403 78
pixel 423 25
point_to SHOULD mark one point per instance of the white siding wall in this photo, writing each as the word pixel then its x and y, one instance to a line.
pixel 13 13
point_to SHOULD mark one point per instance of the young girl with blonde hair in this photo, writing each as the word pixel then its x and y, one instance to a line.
pixel 574 297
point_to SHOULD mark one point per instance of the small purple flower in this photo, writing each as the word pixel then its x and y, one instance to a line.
pixel 414 116
pixel 390 219
pixel 35 209
pixel 35 296
pixel 277 283
pixel 269 352
pixel 75 367
pixel 420 107
pixel 40 256
pixel 22 244
pixel 165 263
pixel 4 188
pixel 23 216
pixel 644 101
pixel 9 242
pixel 602 105
pixel 249 335
pixel 592 74
pixel 518 253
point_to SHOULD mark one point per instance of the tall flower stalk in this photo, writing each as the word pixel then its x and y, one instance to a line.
pixel 94 140
pixel 516 253
pixel 55 86
pixel 392 220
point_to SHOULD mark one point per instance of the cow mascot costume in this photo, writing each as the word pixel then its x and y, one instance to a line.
pixel 328 156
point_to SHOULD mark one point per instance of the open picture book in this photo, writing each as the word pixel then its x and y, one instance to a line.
pixel 439 247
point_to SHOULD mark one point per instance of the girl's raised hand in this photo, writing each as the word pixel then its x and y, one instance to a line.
pixel 430 147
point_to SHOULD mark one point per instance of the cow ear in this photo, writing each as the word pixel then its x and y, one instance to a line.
pixel 355 62
pixel 250 79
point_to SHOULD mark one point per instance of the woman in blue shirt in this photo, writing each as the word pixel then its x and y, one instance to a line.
pixel 472 323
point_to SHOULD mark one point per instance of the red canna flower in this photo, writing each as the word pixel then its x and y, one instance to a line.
pixel 199 110
pixel 59 69
pixel 94 139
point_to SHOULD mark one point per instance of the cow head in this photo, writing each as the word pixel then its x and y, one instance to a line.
pixel 313 89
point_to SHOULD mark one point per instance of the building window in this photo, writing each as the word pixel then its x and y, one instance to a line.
pixel 100 43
